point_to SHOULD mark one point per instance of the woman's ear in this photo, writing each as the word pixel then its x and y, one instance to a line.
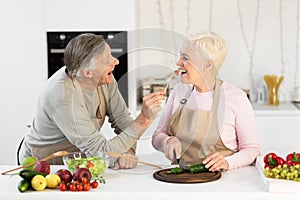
pixel 208 65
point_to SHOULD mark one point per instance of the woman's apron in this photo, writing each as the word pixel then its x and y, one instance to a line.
pixel 198 131
pixel 65 145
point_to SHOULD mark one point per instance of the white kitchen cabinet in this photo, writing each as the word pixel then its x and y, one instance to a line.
pixel 278 128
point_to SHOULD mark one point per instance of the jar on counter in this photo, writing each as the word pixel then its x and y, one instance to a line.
pixel 261 93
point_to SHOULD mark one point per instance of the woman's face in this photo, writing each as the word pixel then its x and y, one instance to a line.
pixel 104 65
pixel 190 63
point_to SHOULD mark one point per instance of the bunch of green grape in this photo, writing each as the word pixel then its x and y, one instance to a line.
pixel 284 172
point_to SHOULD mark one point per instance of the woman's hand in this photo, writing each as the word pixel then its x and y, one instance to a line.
pixel 216 162
pixel 173 144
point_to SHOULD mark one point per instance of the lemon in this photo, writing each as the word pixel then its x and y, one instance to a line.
pixel 27 161
pixel 52 180
pixel 38 182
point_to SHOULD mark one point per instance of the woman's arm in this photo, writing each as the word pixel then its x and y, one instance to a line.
pixel 161 135
pixel 246 133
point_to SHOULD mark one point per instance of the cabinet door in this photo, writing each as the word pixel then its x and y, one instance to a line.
pixel 280 134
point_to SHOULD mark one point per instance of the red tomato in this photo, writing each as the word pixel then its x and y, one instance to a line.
pixel 62 187
pixel 73 187
pixel 176 72
pixel 86 187
pixel 94 184
pixel 90 164
pixel 84 180
pixel 79 187
pixel 75 182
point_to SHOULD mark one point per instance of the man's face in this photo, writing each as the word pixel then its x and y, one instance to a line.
pixel 104 65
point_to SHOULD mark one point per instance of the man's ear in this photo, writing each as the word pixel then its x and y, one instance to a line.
pixel 86 73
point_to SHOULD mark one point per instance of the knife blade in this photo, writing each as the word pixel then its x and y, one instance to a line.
pixel 183 165
pixel 175 156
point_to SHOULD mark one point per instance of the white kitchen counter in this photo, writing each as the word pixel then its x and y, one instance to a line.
pixel 283 109
pixel 244 183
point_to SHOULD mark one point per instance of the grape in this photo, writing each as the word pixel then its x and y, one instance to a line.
pixel 283 172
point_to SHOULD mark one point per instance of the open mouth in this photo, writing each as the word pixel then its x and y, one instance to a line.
pixel 182 71
pixel 110 73
pixel 179 71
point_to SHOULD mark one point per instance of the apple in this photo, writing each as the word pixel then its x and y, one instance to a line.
pixel 28 160
pixel 42 166
pixel 79 173
pixel 65 175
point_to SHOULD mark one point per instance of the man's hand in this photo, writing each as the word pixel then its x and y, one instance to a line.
pixel 152 104
pixel 123 163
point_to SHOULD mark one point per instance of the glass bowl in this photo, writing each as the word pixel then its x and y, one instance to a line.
pixel 96 164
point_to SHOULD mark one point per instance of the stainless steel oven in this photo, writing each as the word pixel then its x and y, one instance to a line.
pixel 57 42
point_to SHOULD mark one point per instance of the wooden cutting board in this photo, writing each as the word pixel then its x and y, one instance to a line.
pixel 186 177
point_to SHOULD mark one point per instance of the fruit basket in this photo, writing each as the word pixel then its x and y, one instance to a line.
pixel 96 164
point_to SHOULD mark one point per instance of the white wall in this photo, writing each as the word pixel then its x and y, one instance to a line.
pixel 23 69
pixel 23 50
pixel 175 15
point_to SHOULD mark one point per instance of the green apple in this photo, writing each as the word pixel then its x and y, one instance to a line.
pixel 29 160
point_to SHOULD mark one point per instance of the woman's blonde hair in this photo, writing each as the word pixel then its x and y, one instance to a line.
pixel 213 45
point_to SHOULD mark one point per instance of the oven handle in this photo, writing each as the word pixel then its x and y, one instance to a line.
pixel 113 50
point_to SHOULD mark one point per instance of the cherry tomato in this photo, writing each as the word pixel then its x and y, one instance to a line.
pixel 94 184
pixel 84 180
pixel 75 182
pixel 79 187
pixel 73 187
pixel 62 187
pixel 86 187
pixel 176 72
pixel 90 164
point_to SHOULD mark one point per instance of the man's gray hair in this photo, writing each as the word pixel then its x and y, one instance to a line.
pixel 80 51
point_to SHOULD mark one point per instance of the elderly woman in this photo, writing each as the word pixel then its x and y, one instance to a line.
pixel 72 107
pixel 207 120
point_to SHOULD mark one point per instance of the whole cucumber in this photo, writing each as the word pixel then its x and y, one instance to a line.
pixel 197 168
pixel 176 170
pixel 23 185
pixel 29 174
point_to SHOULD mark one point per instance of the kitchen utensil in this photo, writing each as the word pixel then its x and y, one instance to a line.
pixel 186 177
pixel 117 155
pixel 56 154
pixel 168 81
pixel 175 156
pixel 182 164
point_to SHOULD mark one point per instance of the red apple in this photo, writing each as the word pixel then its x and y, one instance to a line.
pixel 65 175
pixel 79 173
pixel 42 166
